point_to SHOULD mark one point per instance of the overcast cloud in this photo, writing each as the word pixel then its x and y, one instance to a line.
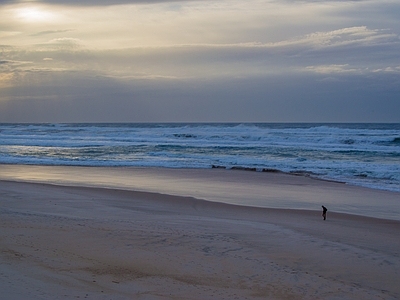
pixel 182 61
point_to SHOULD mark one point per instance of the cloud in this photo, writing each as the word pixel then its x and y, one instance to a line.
pixel 328 69
pixel 199 60
pixel 346 50
pixel 60 44
pixel 14 62
pixel 81 97
pixel 395 69
pixel 358 36
pixel 7 34
pixel 65 41
pixel 48 32
pixel 90 2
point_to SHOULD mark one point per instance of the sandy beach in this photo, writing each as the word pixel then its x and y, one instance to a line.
pixel 59 240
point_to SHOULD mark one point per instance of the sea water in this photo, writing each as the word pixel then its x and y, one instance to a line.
pixel 360 154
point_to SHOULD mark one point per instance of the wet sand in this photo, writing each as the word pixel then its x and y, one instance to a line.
pixel 246 188
pixel 69 242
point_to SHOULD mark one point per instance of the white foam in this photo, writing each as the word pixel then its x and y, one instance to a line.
pixel 364 154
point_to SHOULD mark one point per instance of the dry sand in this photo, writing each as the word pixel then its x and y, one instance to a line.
pixel 65 242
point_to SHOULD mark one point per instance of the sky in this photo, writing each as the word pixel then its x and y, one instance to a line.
pixel 200 61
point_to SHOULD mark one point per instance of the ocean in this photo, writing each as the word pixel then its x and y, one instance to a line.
pixel 359 154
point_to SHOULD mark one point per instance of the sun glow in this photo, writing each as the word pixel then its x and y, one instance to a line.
pixel 34 14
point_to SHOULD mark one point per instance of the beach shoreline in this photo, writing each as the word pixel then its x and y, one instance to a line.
pixel 66 242
pixel 240 187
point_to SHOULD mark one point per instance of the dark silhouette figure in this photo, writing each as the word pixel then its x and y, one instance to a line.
pixel 324 210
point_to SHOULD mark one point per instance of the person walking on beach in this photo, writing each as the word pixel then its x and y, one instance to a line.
pixel 324 210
